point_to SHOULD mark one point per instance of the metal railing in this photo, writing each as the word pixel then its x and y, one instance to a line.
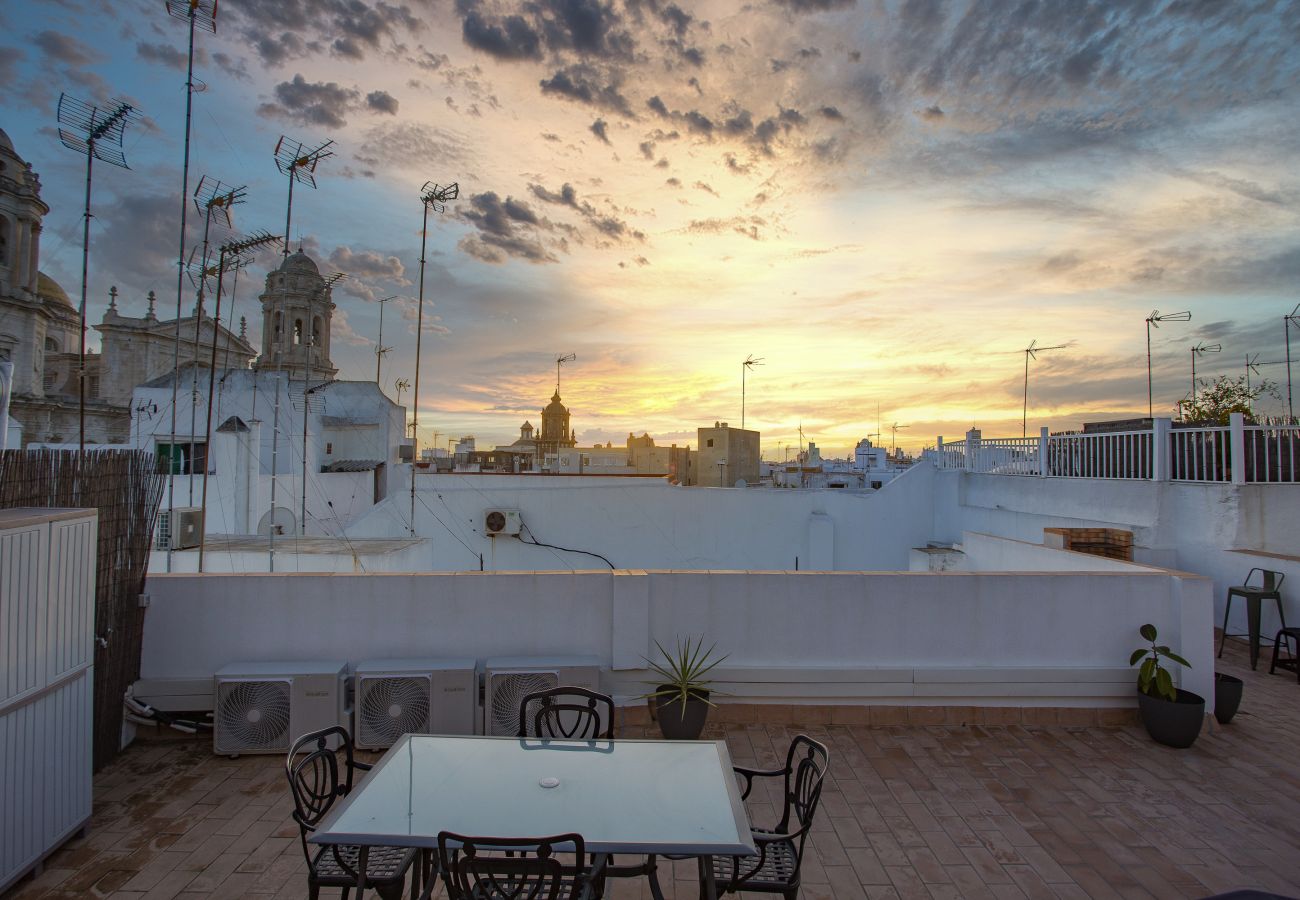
pixel 1233 454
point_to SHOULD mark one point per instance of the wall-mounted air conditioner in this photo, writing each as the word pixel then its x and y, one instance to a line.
pixel 187 531
pixel 262 707
pixel 507 680
pixel 501 521
pixel 413 696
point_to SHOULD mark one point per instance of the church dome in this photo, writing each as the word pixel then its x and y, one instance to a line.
pixel 299 264
pixel 6 145
pixel 48 289
pixel 555 406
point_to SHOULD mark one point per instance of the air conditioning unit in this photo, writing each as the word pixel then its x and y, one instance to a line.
pixel 507 680
pixel 501 521
pixel 188 530
pixel 262 707
pixel 413 696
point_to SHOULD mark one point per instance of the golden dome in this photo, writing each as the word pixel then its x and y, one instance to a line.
pixel 48 289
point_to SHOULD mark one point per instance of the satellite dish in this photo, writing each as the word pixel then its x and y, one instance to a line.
pixel 740 483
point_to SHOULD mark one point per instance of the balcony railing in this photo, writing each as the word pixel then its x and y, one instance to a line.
pixel 1233 454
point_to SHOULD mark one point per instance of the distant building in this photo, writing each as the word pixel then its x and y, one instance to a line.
pixel 40 334
pixel 556 433
pixel 726 456
pixel 678 463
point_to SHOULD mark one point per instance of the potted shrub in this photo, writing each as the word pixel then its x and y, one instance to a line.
pixel 1172 716
pixel 1227 697
pixel 681 698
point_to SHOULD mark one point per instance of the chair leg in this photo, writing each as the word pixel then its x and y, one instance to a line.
pixel 791 894
pixel 1227 607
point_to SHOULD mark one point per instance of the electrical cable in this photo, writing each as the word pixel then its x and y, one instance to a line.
pixel 536 543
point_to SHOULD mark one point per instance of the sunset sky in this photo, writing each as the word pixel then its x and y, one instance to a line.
pixel 885 201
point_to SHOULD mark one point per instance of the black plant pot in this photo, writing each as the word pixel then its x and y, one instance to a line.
pixel 1227 697
pixel 678 724
pixel 1174 723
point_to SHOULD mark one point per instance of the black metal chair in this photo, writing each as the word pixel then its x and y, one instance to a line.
pixel 316 783
pixel 489 868
pixel 1270 588
pixel 780 849
pixel 568 713
pixel 1285 638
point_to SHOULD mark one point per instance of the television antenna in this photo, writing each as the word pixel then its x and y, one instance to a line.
pixel 1153 321
pixel 401 384
pixel 230 255
pixel 746 366
pixel 893 437
pixel 380 349
pixel 1293 318
pixel 198 15
pixel 299 164
pixel 432 196
pixel 97 134
pixel 559 361
pixel 1031 352
pixel 1200 349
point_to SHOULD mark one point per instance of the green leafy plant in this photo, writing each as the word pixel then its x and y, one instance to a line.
pixel 1217 399
pixel 681 673
pixel 1153 680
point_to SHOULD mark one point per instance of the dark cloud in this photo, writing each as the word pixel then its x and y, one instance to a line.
pixel 164 54
pixel 367 264
pixel 746 225
pixel 607 224
pixel 382 102
pixel 311 103
pixel 9 59
pixel 814 6
pixel 400 141
pixel 510 37
pixel 708 189
pixel 600 130
pixel 505 228
pixel 233 67
pixel 65 49
pixel 585 84
pixel 281 30
pixel 647 149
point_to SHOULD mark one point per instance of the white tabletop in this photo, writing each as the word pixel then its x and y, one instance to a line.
pixel 625 796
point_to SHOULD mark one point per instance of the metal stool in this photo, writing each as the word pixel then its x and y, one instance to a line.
pixel 1253 594
pixel 1284 638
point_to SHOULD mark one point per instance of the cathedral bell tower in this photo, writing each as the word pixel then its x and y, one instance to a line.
pixel 296 313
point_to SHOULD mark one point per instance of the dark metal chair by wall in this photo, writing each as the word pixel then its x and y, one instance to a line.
pixel 568 713
pixel 316 783
pixel 777 870
pixel 1270 588
pixel 495 868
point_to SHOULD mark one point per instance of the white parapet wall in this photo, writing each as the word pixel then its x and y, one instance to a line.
pixel 951 638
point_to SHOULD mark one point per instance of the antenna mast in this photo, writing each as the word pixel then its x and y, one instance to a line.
pixel 435 196
pixel 1153 321
pixel 197 14
pixel 1287 322
pixel 559 361
pixel 96 133
pixel 299 164
pixel 1031 352
pixel 1200 349
pixel 238 252
pixel 746 366
pixel 380 349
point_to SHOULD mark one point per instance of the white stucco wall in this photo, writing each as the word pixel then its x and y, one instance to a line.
pixel 1038 639
pixel 651 524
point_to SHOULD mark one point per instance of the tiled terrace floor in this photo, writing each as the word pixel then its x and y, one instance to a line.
pixel 911 811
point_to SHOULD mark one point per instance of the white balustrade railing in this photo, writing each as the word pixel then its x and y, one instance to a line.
pixel 1236 453
pixel 1122 454
pixel 1272 454
pixel 1200 454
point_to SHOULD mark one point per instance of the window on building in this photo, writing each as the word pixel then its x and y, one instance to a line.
pixel 186 459
pixel 297 331
pixel 277 328
pixel 51 345
pixel 329 448
pixel 710 442
pixel 4 241
pixel 315 331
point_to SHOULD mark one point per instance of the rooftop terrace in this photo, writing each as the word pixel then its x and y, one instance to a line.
pixel 1028 809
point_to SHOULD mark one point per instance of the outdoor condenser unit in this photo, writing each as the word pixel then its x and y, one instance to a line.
pixel 262 707
pixel 502 522
pixel 507 680
pixel 187 531
pixel 413 696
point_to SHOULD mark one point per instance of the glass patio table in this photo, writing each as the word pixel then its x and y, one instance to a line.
pixel 625 796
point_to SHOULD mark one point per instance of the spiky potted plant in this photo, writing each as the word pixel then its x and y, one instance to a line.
pixel 1172 716
pixel 681 699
